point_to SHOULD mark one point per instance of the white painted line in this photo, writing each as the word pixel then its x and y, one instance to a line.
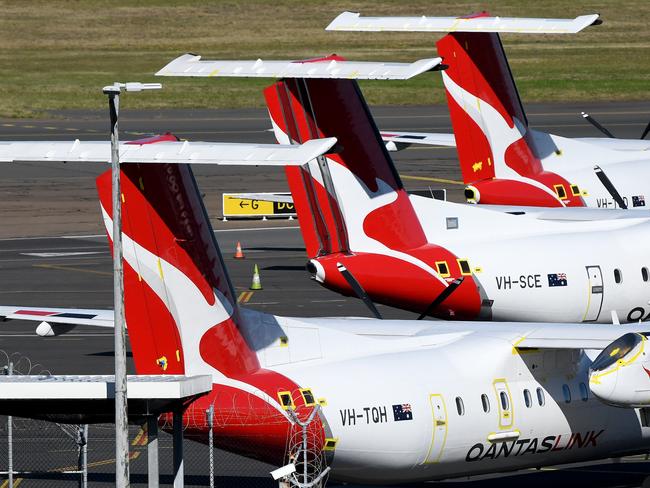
pixel 60 254
pixel 89 236
pixel 62 336
pixel 255 228
pixel 94 236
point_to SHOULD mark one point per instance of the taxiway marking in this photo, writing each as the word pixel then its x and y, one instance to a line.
pixel 60 254
pixel 71 268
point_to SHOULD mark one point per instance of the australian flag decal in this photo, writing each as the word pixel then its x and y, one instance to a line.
pixel 557 279
pixel 638 200
pixel 402 412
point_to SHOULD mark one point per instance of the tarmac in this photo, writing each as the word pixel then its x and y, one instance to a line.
pixel 53 251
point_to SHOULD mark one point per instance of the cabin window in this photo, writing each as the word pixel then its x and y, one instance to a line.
pixel 575 190
pixel 644 414
pixel 528 400
pixel 540 397
pixel 460 407
pixel 307 397
pixel 330 444
pixel 566 391
pixel 618 276
pixel 644 273
pixel 485 401
pixel 561 192
pixel 443 268
pixel 505 404
pixel 463 264
pixel 584 392
pixel 286 400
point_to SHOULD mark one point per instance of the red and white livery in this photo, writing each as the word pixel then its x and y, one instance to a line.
pixel 406 251
pixel 503 161
pixel 512 396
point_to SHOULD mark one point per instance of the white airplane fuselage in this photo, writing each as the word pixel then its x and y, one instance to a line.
pixel 548 269
pixel 448 381
pixel 625 162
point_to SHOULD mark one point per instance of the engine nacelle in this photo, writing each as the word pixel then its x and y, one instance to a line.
pixel 620 375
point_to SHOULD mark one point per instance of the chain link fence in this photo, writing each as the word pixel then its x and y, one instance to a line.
pixel 36 453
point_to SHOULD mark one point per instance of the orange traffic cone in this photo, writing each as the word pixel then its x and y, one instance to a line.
pixel 238 252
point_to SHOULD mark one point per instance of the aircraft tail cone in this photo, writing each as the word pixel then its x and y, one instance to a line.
pixel 256 284
pixel 238 252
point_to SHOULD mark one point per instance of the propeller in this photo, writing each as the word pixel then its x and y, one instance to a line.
pixel 610 187
pixel 358 289
pixel 595 123
pixel 602 129
pixel 645 132
pixel 442 297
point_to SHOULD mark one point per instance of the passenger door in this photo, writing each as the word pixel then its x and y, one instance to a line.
pixel 595 294
pixel 439 414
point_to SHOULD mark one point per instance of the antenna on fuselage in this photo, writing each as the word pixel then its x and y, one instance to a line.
pixel 610 187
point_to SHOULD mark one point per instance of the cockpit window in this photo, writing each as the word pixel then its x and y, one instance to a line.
pixel 615 351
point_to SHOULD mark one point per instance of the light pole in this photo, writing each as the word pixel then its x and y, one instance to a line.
pixel 121 414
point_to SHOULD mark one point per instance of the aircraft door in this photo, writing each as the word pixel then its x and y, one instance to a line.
pixel 504 404
pixel 439 413
pixel 595 294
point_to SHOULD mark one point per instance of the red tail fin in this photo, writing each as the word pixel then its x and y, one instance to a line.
pixel 489 122
pixel 491 128
pixel 180 307
pixel 352 199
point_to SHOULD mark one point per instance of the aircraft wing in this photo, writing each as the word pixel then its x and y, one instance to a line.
pixel 351 21
pixel 571 214
pixel 577 336
pixel 617 144
pixel 68 316
pixel 522 335
pixel 167 152
pixel 396 141
pixel 328 67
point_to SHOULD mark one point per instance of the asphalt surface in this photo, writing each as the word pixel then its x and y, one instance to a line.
pixel 48 201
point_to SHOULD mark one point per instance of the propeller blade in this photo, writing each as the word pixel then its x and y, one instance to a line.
pixel 645 132
pixel 595 123
pixel 442 297
pixel 358 289
pixel 610 187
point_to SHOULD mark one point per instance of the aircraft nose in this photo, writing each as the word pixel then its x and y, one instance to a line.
pixel 603 385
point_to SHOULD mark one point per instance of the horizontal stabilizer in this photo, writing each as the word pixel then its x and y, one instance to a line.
pixel 167 152
pixel 71 316
pixel 350 21
pixel 396 141
pixel 331 67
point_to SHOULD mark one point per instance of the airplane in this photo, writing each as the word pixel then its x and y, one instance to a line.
pixel 366 237
pixel 503 161
pixel 392 401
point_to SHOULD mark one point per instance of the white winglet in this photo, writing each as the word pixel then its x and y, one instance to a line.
pixel 350 21
pixel 167 152
pixel 328 67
